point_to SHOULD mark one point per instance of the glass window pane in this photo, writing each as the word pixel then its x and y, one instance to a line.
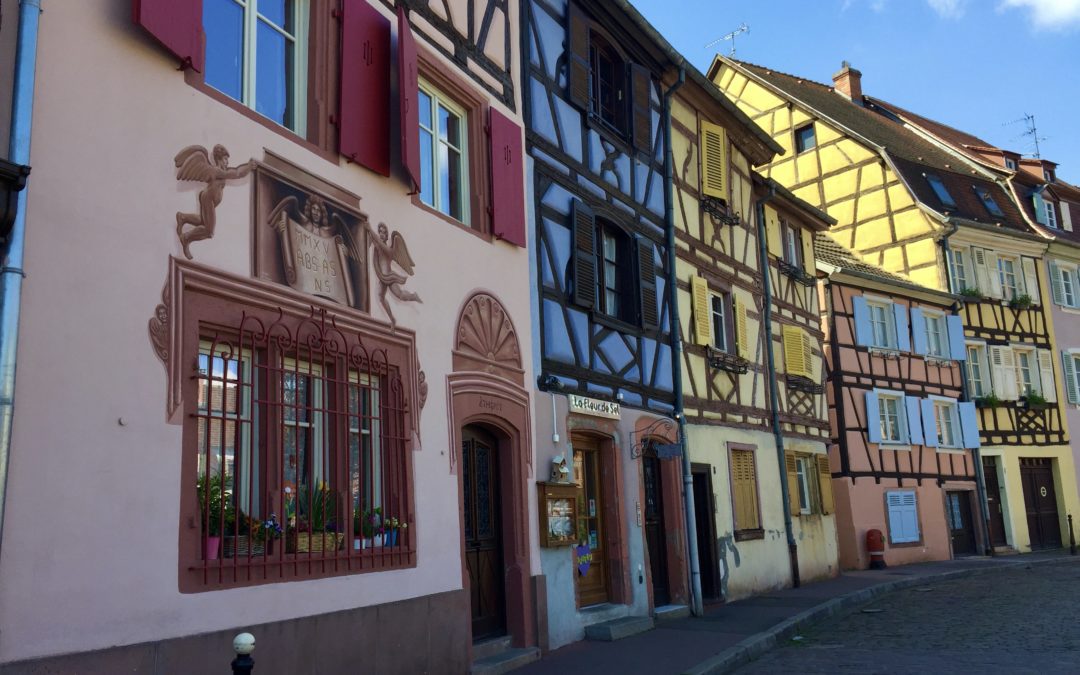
pixel 445 119
pixel 444 178
pixel 279 12
pixel 273 74
pixel 427 169
pixel 223 23
pixel 455 186
pixel 425 109
pixel 453 129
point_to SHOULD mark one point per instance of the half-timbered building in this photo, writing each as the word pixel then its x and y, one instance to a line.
pixel 911 206
pixel 903 433
pixel 283 397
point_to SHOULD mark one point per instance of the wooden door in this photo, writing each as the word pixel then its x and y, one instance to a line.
pixel 958 512
pixel 483 533
pixel 993 502
pixel 594 585
pixel 1040 501
pixel 654 528
pixel 705 521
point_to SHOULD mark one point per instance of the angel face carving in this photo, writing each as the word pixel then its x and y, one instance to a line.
pixel 193 163
pixel 391 250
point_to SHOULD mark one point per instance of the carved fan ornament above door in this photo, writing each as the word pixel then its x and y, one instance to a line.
pixel 486 339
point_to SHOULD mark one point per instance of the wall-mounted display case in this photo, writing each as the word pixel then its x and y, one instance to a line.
pixel 558 513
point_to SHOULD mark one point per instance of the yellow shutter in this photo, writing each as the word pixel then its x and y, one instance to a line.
pixel 808 252
pixel 808 355
pixel 744 484
pixel 714 161
pixel 772 232
pixel 793 483
pixel 741 341
pixel 825 480
pixel 699 289
pixel 794 352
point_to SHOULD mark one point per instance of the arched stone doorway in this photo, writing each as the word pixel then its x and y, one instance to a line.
pixel 491 440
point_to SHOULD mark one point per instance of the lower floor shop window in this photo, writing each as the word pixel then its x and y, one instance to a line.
pixel 903 516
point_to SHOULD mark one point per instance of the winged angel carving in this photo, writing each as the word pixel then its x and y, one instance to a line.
pixel 318 220
pixel 193 163
pixel 391 250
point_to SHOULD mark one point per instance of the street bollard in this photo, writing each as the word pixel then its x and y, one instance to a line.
pixel 1072 538
pixel 243 644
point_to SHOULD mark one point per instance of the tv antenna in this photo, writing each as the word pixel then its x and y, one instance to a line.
pixel 743 28
pixel 1032 131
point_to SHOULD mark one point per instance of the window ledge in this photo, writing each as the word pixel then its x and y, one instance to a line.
pixel 939 361
pixel 795 273
pixel 951 451
pixel 727 361
pixel 720 211
pixel 745 535
pixel 885 352
pixel 903 447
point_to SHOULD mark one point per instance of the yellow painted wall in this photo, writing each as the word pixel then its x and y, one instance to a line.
pixel 1008 460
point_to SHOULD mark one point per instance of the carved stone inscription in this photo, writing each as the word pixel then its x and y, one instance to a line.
pixel 314 262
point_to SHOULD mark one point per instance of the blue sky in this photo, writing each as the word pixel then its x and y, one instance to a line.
pixel 977 65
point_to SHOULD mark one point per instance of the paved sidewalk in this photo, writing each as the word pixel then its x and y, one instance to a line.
pixel 730 635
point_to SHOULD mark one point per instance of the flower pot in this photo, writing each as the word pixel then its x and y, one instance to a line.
pixel 358 543
pixel 391 538
pixel 211 547
pixel 377 540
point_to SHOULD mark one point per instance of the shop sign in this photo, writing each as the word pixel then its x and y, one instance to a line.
pixel 668 450
pixel 584 558
pixel 594 407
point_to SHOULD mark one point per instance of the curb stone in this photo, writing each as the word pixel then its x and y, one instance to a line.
pixel 756 645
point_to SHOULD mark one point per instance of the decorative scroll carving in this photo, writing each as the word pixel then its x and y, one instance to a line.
pixel 486 339
pixel 193 163
pixel 158 328
pixel 314 248
pixel 423 389
pixel 390 250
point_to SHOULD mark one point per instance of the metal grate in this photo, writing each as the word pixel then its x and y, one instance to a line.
pixel 719 211
pixel 302 464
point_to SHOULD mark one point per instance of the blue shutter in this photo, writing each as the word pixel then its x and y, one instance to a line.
pixel 918 331
pixel 873 418
pixel 957 347
pixel 1040 208
pixel 915 430
pixel 969 425
pixel 929 423
pixel 864 333
pixel 903 335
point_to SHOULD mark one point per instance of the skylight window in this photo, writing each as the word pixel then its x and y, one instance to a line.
pixel 940 191
pixel 988 202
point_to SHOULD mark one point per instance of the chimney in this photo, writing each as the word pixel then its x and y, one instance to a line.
pixel 848 83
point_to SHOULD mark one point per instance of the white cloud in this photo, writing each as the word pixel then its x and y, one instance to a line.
pixel 1051 14
pixel 948 9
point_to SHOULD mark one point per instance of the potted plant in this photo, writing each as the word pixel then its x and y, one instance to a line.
pixel 1034 401
pixel 313 519
pixel 392 528
pixel 371 527
pixel 971 293
pixel 1021 302
pixel 216 512
pixel 267 532
pixel 989 401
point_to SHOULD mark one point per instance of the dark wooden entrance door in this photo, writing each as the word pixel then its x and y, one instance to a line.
pixel 958 511
pixel 1040 501
pixel 993 502
pixel 593 586
pixel 483 535
pixel 705 521
pixel 654 528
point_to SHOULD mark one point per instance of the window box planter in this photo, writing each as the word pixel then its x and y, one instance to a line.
pixel 796 273
pixel 1021 302
pixel 1036 404
pixel 987 402
pixel 725 361
pixel 719 211
pixel 804 384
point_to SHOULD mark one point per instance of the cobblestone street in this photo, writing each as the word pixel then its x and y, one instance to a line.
pixel 1018 621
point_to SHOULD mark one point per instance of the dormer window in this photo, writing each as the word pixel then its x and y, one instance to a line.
pixel 1048 175
pixel 1010 164
pixel 988 201
pixel 942 193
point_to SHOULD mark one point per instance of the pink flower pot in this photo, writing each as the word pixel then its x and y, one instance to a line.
pixel 212 546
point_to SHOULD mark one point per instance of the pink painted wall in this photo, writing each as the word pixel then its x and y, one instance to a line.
pixel 89 558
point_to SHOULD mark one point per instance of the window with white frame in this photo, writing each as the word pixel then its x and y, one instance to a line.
pixel 937 335
pixel 1008 274
pixel 802 471
pixel 1010 164
pixel 961 270
pixel 1051 215
pixel 1063 283
pixel 977 370
pixel 892 418
pixel 256 53
pixel 444 174
pixel 1027 372
pixel 882 324
pixel 719 311
pixel 1070 359
pixel 947 421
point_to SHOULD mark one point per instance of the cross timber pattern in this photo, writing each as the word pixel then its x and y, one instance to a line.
pixel 725 257
pixel 876 214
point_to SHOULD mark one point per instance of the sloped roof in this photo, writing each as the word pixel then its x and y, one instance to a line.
pixel 950 135
pixel 913 155
pixel 828 250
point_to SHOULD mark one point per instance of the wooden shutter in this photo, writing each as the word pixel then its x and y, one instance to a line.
pixel 929 423
pixel 744 489
pixel 507 180
pixel 1040 207
pixel 699 291
pixel 794 353
pixel 584 255
pixel 1057 285
pixel 918 332
pixel 641 108
pixel 828 504
pixel 903 332
pixel 650 314
pixel 873 417
pixel 903 517
pixel 714 162
pixel 969 425
pixel 1069 368
pixel 1046 374
pixel 808 355
pixel 913 417
pixel 807 239
pixel 742 340
pixel 176 24
pixel 773 233
pixel 408 94
pixel 793 483
pixel 1066 216
pixel 957 346
pixel 864 332
pixel 1003 368
pixel 364 106
pixel 983 273
pixel 580 80
pixel 1031 279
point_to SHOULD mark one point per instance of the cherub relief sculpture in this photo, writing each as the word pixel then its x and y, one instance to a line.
pixel 390 250
pixel 193 163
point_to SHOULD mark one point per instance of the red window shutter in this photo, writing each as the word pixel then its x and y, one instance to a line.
pixel 408 91
pixel 177 25
pixel 364 117
pixel 507 186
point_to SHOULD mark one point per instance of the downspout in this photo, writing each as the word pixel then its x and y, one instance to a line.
pixel 980 479
pixel 11 274
pixel 774 402
pixel 676 352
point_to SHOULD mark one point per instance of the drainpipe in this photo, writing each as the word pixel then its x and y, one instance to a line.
pixel 11 274
pixel 766 322
pixel 676 353
pixel 980 479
